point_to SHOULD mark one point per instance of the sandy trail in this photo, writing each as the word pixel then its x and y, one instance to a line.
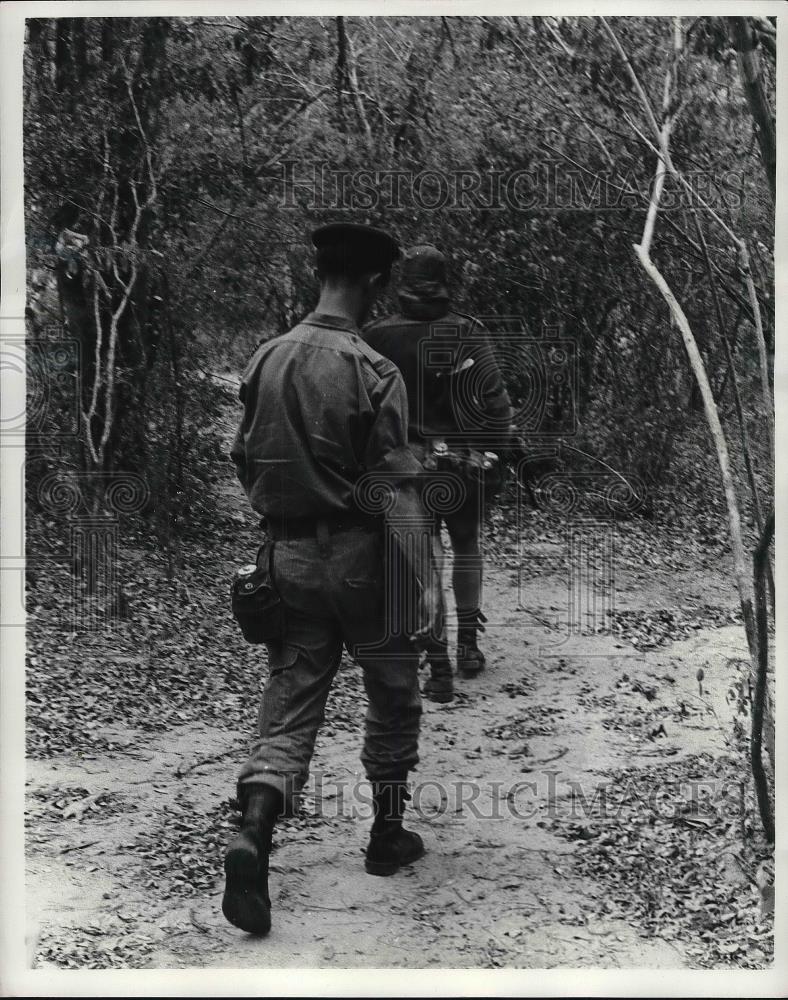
pixel 496 887
pixel 136 880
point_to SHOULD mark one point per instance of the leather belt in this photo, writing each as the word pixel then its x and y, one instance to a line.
pixel 287 528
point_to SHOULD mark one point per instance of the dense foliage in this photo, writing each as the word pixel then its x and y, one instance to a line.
pixel 175 166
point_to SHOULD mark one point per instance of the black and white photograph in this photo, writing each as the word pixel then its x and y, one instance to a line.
pixel 389 576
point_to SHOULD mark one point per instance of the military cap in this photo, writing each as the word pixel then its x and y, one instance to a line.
pixel 423 275
pixel 374 246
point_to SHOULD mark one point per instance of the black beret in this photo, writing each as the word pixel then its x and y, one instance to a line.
pixel 364 242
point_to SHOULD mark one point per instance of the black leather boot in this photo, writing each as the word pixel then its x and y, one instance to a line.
pixel 470 659
pixel 439 686
pixel 246 903
pixel 390 847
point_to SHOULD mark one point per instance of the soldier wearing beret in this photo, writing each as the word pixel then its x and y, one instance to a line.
pixel 455 400
pixel 324 412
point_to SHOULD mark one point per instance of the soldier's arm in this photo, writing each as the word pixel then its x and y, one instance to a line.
pixel 238 456
pixel 399 475
pixel 238 449
pixel 496 404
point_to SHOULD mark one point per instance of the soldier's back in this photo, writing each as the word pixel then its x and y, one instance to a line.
pixel 427 352
pixel 309 395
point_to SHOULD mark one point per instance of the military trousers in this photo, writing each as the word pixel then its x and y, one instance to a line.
pixel 336 591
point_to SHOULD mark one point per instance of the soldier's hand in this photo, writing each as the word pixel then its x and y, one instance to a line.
pixel 431 617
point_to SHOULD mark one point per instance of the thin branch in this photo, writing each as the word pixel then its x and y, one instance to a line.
pixel 99 338
pixel 724 276
pixel 153 193
pixel 447 29
pixel 752 83
pixel 240 218
pixel 659 183
pixel 352 80
pixel 289 117
pixel 665 163
pixel 553 90
pixel 668 163
pixel 241 130
pixel 744 260
pixel 750 588
pixel 734 381
pixel 664 139
pixel 402 60
pixel 744 582
pixel 557 36
pixel 113 342
pixel 634 78
pixel 628 189
pixel 712 414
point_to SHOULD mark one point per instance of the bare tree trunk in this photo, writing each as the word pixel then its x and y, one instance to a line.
pixel 341 71
pixel 760 696
pixel 732 340
pixel 750 71
pixel 745 442
pixel 718 436
pixel 662 151
pixel 37 43
pixel 744 580
pixel 107 39
pixel 358 104
pixel 62 52
pixel 760 340
pixel 347 79
pixel 80 48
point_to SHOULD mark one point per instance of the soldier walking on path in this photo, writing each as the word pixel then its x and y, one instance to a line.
pixel 322 412
pixel 452 401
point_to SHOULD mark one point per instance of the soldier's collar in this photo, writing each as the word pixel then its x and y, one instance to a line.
pixel 332 322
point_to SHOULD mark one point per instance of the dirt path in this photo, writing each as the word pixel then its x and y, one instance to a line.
pixel 491 890
pixel 125 846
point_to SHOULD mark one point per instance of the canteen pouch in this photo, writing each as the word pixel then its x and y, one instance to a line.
pixel 256 604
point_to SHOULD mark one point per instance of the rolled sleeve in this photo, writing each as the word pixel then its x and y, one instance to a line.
pixel 238 456
pixel 387 446
pixel 238 449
